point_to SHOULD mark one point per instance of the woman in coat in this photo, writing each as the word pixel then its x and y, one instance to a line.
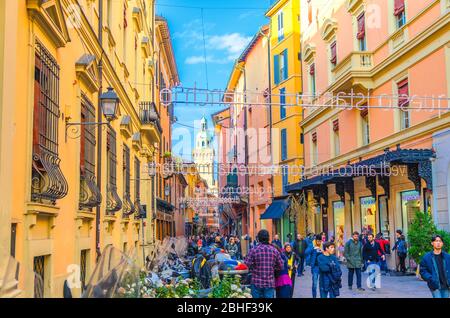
pixel 292 264
pixel 283 283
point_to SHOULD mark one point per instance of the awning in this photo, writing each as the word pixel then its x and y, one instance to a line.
pixel 276 209
pixel 399 156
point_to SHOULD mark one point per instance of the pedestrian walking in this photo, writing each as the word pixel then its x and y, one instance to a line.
pixel 402 251
pixel 263 261
pixel 309 247
pixel 292 264
pixel 371 256
pixel 385 247
pixel 354 256
pixel 315 272
pixel 232 248
pixel 435 269
pixel 277 242
pixel 283 283
pixel 299 247
pixel 330 279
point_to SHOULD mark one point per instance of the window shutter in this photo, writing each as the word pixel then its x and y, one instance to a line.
pixel 282 103
pixel 364 112
pixel 285 69
pixel 283 144
pixel 361 27
pixel 399 7
pixel 333 53
pixel 312 69
pixel 336 125
pixel 276 68
pixel 314 137
pixel 403 94
pixel 125 22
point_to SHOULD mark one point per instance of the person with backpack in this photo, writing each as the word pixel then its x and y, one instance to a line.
pixel 354 257
pixel 435 269
pixel 402 252
pixel 315 252
pixel 330 278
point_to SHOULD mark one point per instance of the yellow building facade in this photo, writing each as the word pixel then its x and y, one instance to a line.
pixel 286 85
pixel 56 212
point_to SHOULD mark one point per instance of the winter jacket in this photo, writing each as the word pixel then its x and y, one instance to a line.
pixel 330 278
pixel 315 252
pixel 370 252
pixel 277 243
pixel 429 270
pixel 300 247
pixel 353 253
pixel 401 247
pixel 233 249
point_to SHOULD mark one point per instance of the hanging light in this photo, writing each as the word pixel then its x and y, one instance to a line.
pixel 110 104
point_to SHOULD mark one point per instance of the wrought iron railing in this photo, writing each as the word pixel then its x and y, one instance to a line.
pixel 128 207
pixel 90 195
pixel 113 202
pixel 148 114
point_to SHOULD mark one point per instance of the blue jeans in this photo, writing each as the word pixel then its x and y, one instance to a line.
pixel 315 281
pixel 261 292
pixel 351 272
pixel 301 265
pixel 324 294
pixel 440 293
pixel 383 266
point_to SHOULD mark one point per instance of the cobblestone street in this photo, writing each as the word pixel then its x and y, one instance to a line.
pixel 391 287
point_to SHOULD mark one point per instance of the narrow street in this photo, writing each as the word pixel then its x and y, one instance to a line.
pixel 391 287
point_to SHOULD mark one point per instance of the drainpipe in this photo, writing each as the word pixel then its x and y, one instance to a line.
pixel 99 131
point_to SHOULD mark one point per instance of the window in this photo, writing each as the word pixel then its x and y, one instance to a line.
pixel 285 176
pixel 113 202
pixel 40 270
pixel 109 17
pixel 315 153
pixel 312 78
pixel 403 103
pixel 13 239
pixel 399 12
pixel 336 137
pixel 83 268
pixel 310 13
pixel 48 181
pixel 333 54
pixel 283 103
pixel 89 193
pixel 280 67
pixel 361 35
pixel 283 144
pixel 280 26
pixel 128 206
pixel 365 126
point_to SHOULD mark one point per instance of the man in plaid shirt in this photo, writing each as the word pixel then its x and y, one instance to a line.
pixel 263 260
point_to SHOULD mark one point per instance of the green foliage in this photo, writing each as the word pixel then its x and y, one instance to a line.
pixel 228 287
pixel 419 236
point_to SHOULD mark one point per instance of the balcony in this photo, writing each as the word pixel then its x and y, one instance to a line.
pixel 353 70
pixel 151 125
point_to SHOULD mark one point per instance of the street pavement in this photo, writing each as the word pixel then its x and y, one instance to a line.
pixel 391 287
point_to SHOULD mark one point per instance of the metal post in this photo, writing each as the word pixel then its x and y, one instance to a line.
pixel 99 131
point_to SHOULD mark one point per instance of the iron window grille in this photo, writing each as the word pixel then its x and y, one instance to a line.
pixel 83 268
pixel 48 182
pixel 39 277
pixel 90 195
pixel 113 202
pixel 128 206
pixel 139 209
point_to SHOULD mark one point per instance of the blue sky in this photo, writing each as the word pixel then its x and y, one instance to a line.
pixel 228 27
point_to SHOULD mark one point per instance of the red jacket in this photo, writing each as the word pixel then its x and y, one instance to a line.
pixel 382 243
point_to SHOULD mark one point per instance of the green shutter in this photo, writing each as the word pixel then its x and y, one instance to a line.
pixel 276 69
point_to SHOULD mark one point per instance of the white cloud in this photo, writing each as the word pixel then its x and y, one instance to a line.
pixel 198 59
pixel 233 44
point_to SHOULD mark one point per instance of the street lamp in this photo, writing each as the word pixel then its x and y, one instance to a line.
pixel 109 102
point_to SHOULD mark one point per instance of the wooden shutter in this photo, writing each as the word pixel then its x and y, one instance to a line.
pixel 276 68
pixel 312 69
pixel 285 69
pixel 283 144
pixel 403 93
pixel 336 125
pixel 361 27
pixel 399 7
pixel 314 137
pixel 333 53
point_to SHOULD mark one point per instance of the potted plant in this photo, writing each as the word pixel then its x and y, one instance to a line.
pixel 419 236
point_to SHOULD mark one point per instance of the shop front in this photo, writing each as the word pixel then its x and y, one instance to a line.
pixel 398 186
pixel 278 213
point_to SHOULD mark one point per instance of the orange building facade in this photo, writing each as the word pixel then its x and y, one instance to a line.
pixel 376 87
